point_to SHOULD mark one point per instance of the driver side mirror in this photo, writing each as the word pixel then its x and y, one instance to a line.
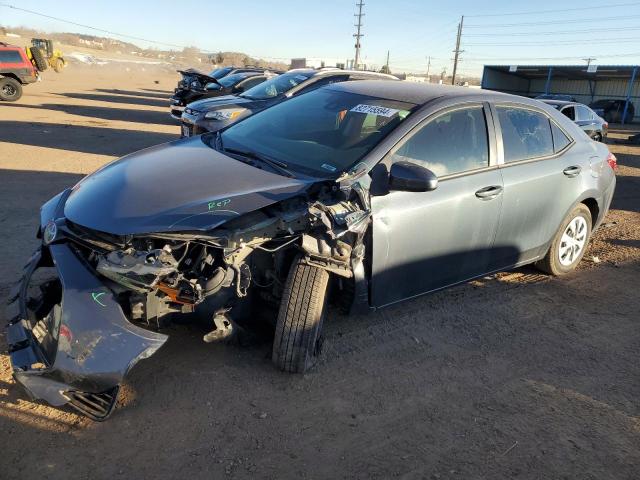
pixel 409 177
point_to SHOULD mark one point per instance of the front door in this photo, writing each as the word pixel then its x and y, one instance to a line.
pixel 423 241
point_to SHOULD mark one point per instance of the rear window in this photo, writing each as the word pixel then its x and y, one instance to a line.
pixel 10 56
pixel 526 134
pixel 220 72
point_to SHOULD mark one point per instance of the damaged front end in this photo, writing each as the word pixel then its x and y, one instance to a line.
pixel 74 339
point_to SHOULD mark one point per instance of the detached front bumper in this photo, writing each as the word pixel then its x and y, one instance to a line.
pixel 80 353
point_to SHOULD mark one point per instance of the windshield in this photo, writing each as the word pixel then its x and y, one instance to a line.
pixel 276 86
pixel 322 133
pixel 231 80
pixel 218 73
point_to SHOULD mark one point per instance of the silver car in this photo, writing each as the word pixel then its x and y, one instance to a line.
pixel 369 191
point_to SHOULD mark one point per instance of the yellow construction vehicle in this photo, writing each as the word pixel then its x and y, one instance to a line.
pixel 54 57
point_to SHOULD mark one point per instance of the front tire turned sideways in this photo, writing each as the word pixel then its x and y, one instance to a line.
pixel 302 310
pixel 569 244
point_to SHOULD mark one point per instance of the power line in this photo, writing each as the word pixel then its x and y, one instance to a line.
pixel 553 43
pixel 555 22
pixel 580 57
pixel 560 10
pixel 556 32
pixel 70 22
pixel 92 28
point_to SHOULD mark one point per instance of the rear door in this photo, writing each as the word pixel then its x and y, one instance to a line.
pixel 423 241
pixel 541 177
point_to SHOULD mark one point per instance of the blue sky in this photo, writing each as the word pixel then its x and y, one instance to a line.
pixel 410 29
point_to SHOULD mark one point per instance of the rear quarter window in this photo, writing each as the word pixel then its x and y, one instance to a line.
pixel 560 139
pixel 526 134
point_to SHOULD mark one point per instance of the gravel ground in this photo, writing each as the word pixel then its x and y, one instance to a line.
pixel 516 375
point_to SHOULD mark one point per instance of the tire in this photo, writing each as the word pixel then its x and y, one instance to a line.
pixel 39 59
pixel 304 302
pixel 58 65
pixel 563 257
pixel 10 89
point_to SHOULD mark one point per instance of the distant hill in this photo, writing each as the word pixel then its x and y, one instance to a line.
pixel 110 47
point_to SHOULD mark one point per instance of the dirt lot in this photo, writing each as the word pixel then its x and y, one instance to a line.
pixel 513 376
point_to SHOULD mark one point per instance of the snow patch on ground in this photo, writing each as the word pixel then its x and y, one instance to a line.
pixel 92 60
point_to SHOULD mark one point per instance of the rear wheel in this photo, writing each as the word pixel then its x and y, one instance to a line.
pixel 10 89
pixel 297 341
pixel 58 65
pixel 569 243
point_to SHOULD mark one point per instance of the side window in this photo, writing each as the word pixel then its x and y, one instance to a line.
pixel 560 140
pixel 10 56
pixel 453 142
pixel 322 82
pixel 582 113
pixel 569 112
pixel 525 133
pixel 252 82
pixel 249 83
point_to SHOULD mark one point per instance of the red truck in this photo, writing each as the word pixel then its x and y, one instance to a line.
pixel 18 67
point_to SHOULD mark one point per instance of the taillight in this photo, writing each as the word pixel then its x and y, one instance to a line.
pixel 605 125
pixel 612 161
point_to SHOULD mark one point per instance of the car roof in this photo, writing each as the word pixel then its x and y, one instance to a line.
pixel 331 71
pixel 418 93
pixel 560 103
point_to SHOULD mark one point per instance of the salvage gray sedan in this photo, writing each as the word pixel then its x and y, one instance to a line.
pixel 368 192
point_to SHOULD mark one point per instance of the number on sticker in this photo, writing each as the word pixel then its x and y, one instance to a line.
pixel 374 110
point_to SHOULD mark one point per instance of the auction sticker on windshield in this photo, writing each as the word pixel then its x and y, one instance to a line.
pixel 375 110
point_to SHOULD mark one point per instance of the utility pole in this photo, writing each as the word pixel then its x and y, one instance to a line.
pixel 589 60
pixel 358 35
pixel 428 67
pixel 457 51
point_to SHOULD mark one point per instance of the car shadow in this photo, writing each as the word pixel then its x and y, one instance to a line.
pixel 168 92
pixel 106 113
pixel 133 93
pixel 130 100
pixel 627 195
pixel 80 138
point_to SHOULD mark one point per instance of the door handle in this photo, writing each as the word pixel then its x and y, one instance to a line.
pixel 487 193
pixel 572 171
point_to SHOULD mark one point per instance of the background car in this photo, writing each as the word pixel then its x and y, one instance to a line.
pixel 211 115
pixel 193 83
pixel 592 124
pixel 612 110
pixel 18 67
pixel 556 96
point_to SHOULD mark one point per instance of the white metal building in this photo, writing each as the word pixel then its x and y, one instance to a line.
pixel 585 83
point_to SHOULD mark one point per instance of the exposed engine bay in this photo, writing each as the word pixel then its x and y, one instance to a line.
pixel 168 273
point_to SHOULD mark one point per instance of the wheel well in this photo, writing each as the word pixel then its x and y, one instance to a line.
pixel 9 75
pixel 592 205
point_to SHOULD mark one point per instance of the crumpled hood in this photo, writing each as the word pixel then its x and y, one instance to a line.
pixel 178 186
